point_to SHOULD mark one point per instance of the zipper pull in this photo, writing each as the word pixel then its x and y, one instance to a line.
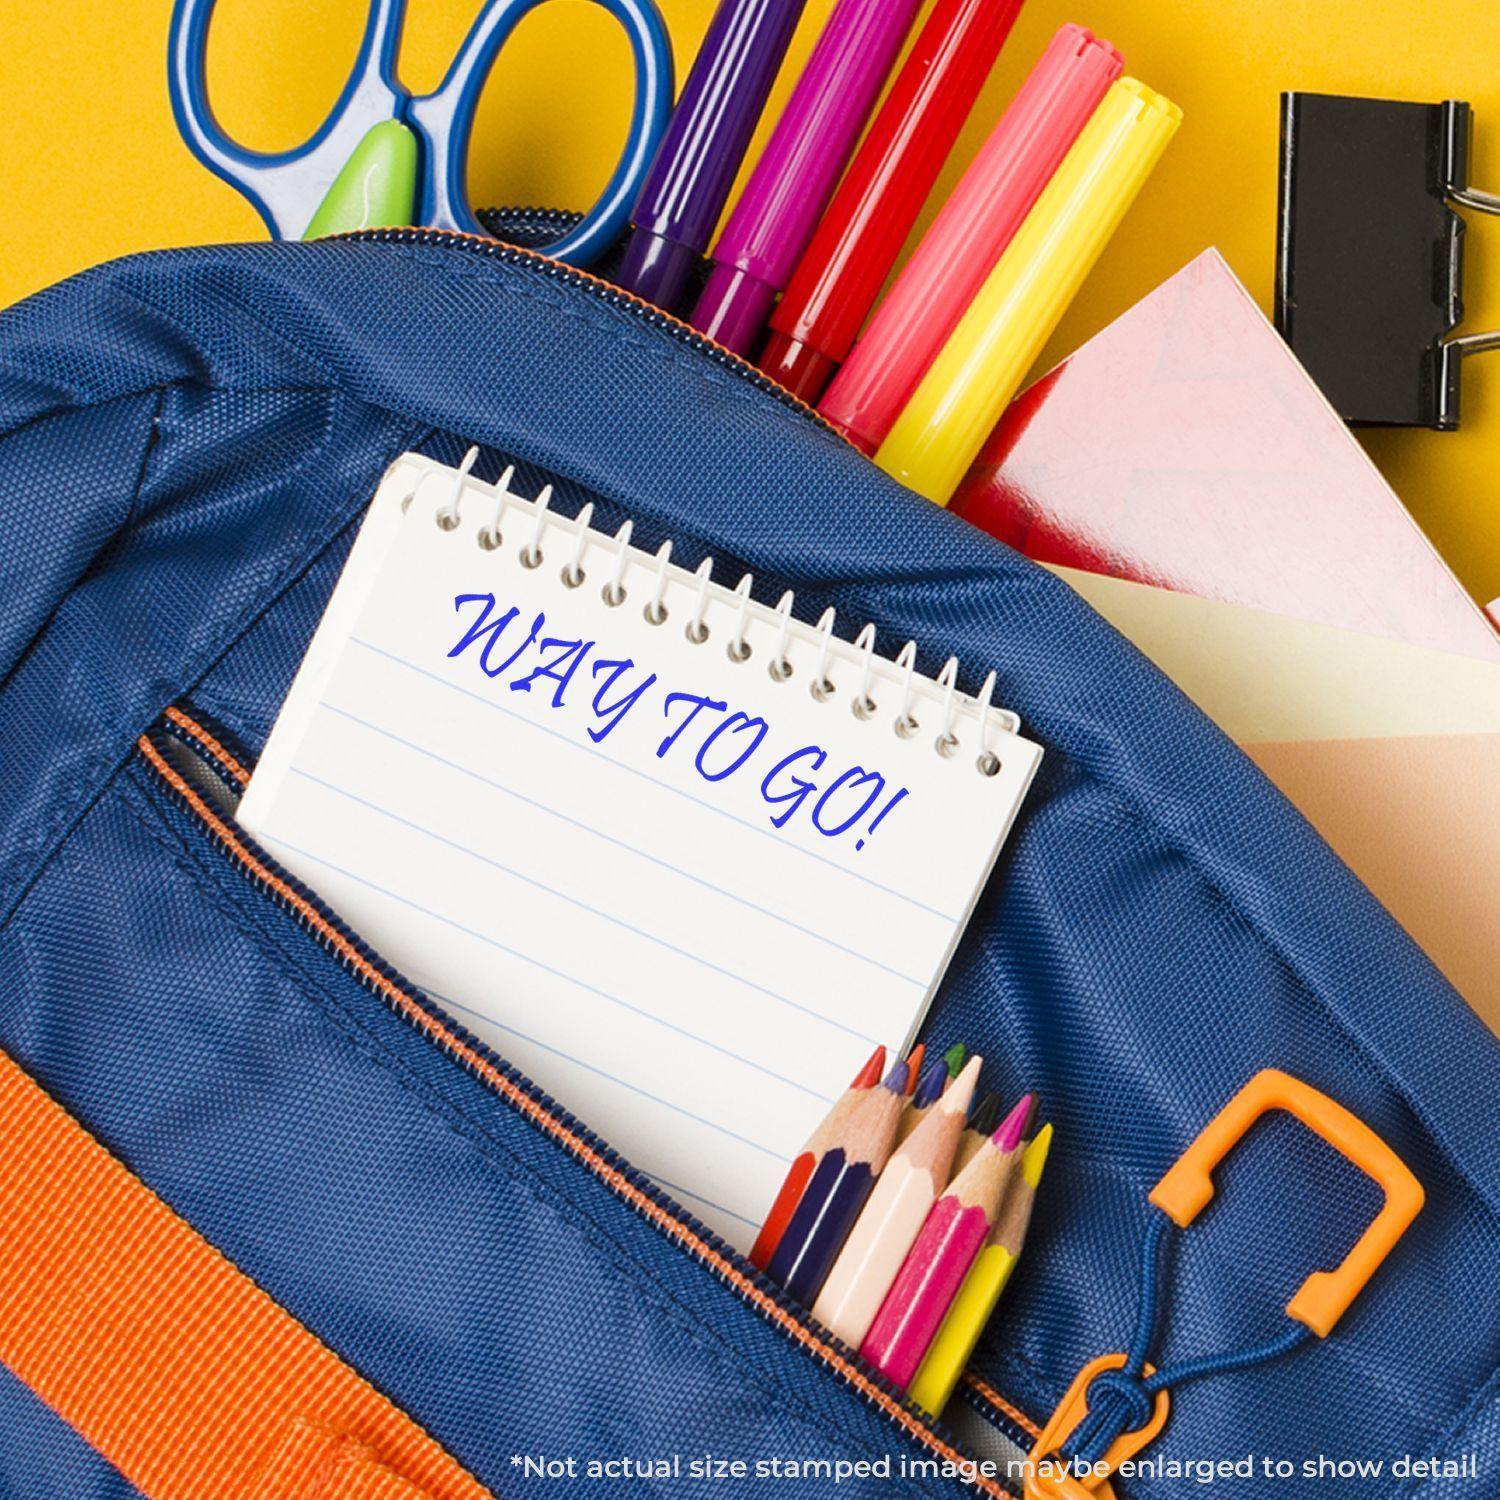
pixel 1051 1476
pixel 1129 1397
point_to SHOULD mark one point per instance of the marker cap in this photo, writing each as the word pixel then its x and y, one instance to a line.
pixel 733 307
pixel 802 369
pixel 657 268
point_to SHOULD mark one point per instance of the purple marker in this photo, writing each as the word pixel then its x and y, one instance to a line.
pixel 700 154
pixel 788 190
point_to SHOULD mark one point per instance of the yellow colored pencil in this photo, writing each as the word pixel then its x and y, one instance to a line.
pixel 976 1299
pixel 953 410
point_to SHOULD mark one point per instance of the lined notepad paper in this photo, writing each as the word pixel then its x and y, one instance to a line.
pixel 681 890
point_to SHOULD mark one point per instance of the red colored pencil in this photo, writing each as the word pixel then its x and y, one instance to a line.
pixel 932 1273
pixel 839 1189
pixel 806 1161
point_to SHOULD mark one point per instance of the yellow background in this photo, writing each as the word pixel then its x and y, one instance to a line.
pixel 94 166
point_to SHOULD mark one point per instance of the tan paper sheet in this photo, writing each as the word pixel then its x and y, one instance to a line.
pixel 1391 751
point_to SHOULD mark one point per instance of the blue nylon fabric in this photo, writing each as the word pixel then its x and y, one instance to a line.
pixel 42 1457
pixel 186 442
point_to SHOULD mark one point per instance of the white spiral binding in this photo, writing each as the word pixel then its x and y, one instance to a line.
pixel 706 596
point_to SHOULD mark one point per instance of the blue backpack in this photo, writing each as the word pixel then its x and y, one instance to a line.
pixel 188 442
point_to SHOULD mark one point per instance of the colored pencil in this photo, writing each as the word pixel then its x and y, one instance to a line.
pixel 955 1057
pixel 928 1091
pixel 914 1067
pixel 800 1172
pixel 894 1216
pixel 981 1127
pixel 983 1285
pixel 950 1240
pixel 838 1189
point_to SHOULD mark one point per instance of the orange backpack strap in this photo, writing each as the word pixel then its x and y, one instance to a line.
pixel 162 1355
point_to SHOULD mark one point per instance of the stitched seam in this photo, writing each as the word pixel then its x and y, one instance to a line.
pixel 426 255
pixel 745 371
pixel 611 1176
pixel 1448 1439
pixel 186 382
pixel 62 408
pixel 1014 1358
pixel 555 302
pixel 149 445
pixel 517 1173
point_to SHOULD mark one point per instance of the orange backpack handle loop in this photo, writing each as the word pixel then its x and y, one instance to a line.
pixel 165 1357
pixel 1322 1299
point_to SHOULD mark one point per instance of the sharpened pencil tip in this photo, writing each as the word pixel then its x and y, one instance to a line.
pixel 954 1057
pixel 1008 1136
pixel 931 1084
pixel 895 1080
pixel 914 1065
pixel 961 1091
pixel 986 1114
pixel 1034 1158
pixel 869 1075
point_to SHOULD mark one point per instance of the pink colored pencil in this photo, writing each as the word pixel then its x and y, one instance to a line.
pixel 932 1273
pixel 892 1219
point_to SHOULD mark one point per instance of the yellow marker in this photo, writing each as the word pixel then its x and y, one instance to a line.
pixel 981 1288
pixel 951 413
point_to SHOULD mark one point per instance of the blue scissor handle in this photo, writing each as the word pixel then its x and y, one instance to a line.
pixel 285 186
pixel 444 120
pixel 288 186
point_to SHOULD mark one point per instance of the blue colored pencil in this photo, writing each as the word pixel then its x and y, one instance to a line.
pixel 838 1190
pixel 929 1090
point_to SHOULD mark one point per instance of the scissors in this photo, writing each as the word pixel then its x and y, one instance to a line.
pixel 386 156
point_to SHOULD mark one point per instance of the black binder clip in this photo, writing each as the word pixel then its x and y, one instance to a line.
pixel 1369 253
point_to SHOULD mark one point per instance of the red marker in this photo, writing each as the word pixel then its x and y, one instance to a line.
pixel 846 262
pixel 967 237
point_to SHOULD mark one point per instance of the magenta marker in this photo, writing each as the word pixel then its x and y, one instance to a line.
pixel 792 181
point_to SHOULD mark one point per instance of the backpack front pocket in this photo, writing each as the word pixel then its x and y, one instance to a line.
pixel 534 1174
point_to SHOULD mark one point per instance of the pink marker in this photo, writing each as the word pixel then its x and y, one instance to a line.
pixel 968 236
pixel 953 1235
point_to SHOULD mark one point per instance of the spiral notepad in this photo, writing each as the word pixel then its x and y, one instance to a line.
pixel 678 855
